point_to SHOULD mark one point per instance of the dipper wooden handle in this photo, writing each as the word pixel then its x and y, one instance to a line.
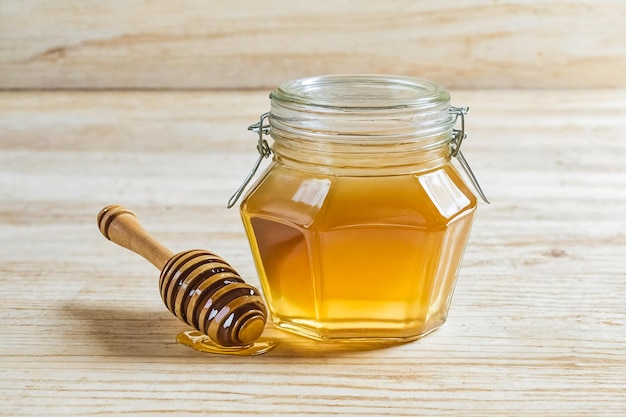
pixel 197 286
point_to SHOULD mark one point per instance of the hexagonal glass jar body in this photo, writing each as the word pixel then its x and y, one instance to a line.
pixel 359 225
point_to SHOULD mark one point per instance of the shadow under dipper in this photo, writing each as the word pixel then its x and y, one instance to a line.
pixel 135 332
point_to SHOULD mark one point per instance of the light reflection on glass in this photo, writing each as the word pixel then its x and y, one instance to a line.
pixel 312 192
pixel 443 192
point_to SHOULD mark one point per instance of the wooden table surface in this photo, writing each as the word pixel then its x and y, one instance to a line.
pixel 537 324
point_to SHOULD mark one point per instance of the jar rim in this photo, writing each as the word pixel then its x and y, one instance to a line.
pixel 362 91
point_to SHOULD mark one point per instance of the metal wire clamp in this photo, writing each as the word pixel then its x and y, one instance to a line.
pixel 458 135
pixel 264 150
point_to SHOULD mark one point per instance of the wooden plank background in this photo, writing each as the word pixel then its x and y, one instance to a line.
pixel 197 44
pixel 537 325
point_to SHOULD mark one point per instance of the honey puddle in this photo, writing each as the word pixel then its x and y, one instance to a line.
pixel 202 343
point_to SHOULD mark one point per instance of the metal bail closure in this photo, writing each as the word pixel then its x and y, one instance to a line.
pixel 458 136
pixel 264 150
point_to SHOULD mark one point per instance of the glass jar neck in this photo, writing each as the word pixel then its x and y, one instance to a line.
pixel 361 125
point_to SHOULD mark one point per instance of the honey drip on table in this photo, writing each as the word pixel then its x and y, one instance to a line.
pixel 203 343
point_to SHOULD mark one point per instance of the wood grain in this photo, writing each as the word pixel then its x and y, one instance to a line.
pixel 537 325
pixel 192 44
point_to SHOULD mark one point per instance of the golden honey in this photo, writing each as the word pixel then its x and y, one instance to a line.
pixel 358 227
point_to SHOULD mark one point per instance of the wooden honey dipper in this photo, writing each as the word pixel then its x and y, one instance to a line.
pixel 197 286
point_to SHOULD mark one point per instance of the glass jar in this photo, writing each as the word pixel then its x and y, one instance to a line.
pixel 359 225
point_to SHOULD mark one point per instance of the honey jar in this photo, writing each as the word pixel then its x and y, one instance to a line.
pixel 359 224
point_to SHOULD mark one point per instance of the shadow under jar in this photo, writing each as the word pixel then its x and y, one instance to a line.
pixel 359 225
